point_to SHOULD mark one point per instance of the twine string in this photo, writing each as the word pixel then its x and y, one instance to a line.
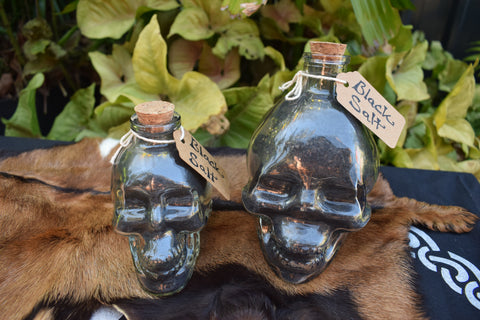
pixel 297 81
pixel 127 138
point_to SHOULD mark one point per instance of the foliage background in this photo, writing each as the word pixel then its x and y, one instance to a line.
pixel 221 62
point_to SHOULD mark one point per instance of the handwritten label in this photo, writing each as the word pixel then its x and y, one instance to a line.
pixel 198 158
pixel 367 105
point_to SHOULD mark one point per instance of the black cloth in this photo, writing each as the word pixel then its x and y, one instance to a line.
pixel 457 255
pixel 448 264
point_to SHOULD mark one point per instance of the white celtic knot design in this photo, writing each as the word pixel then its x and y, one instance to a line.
pixel 466 276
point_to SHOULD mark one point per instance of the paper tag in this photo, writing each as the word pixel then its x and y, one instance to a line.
pixel 367 105
pixel 197 157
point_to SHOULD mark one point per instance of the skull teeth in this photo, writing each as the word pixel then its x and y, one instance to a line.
pixel 306 260
pixel 167 265
pixel 176 259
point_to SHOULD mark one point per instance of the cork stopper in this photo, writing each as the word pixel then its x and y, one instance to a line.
pixel 155 112
pixel 327 50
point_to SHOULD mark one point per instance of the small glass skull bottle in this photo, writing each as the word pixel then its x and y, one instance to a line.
pixel 311 165
pixel 160 203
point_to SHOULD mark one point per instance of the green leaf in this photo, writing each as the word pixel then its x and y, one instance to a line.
pixel 242 34
pixel 457 102
pixel 373 69
pixel 217 17
pixel 117 132
pixel 195 96
pixel 223 72
pixel 389 94
pixel 43 63
pixel 331 6
pixel 423 159
pixel 474 152
pixel 43 55
pixel 270 30
pixel 473 114
pixel 99 19
pixel 196 99
pixel 248 106
pixel 162 5
pixel 183 56
pixel 117 76
pixel 450 74
pixel 75 116
pixel 205 138
pixel 150 61
pixel 408 109
pixel 458 130
pixel 24 122
pixel 431 136
pixel 403 39
pixel 435 56
pixel 312 19
pixel 471 166
pixel 88 133
pixel 278 79
pixel 36 29
pixel 405 75
pixel 33 48
pixel 70 7
pixel 112 114
pixel 403 4
pixel 283 13
pixel 398 157
pixel 379 21
pixel 242 7
pixel 276 56
pixel 416 136
pixel 110 19
pixel 422 136
pixel 192 24
pixel 427 156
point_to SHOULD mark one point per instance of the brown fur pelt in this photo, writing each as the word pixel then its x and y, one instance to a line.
pixel 58 251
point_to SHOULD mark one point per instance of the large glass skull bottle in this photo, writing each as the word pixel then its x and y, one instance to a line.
pixel 311 165
pixel 161 204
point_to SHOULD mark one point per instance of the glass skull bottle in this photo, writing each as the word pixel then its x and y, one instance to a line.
pixel 160 203
pixel 311 165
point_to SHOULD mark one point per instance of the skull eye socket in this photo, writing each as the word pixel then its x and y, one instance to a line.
pixel 276 185
pixel 179 198
pixel 136 200
pixel 339 193
pixel 183 211
pixel 180 203
pixel 132 218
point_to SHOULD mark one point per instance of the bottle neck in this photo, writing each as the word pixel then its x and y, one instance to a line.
pixel 161 132
pixel 323 65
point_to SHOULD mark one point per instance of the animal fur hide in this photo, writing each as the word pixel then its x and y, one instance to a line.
pixel 61 259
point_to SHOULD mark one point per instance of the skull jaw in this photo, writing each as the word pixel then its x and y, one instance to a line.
pixel 169 277
pixel 298 267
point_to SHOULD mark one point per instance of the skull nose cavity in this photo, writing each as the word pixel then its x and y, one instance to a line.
pixel 156 216
pixel 308 199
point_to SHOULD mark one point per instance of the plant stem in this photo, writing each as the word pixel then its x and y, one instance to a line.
pixel 67 36
pixel 299 4
pixel 68 77
pixel 53 17
pixel 13 39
